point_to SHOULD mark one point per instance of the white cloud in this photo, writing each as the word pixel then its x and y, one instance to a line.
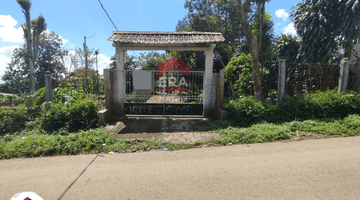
pixel 290 29
pixel 281 13
pixel 8 32
pixel 5 57
pixel 103 62
pixel 64 41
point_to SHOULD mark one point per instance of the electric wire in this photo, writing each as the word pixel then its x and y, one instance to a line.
pixel 108 15
pixel 112 22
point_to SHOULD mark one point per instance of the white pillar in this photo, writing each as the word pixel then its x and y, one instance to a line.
pixel 344 73
pixel 208 87
pixel 281 79
pixel 48 91
pixel 119 85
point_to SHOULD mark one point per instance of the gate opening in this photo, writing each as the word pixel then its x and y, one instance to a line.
pixel 172 93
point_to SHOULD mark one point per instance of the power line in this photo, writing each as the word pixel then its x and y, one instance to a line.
pixel 108 15
pixel 112 22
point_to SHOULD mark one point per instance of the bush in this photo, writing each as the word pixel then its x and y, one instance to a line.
pixel 13 119
pixel 34 144
pixel 320 105
pixel 75 115
pixel 245 111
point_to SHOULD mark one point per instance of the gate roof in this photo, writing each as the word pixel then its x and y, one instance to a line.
pixel 133 40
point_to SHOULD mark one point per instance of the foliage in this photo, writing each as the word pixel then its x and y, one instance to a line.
pixel 246 110
pixel 76 114
pixel 243 9
pixel 13 119
pixel 289 46
pixel 34 143
pixel 77 59
pixel 325 26
pixel 267 132
pixel 25 4
pixel 94 83
pixel 131 62
pixel 266 52
pixel 348 126
pixel 211 16
pixel 50 54
pixel 151 60
pixel 262 132
pixel 238 70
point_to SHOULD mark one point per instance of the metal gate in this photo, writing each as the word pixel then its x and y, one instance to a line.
pixel 171 93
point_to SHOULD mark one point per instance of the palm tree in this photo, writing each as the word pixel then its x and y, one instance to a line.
pixel 26 5
pixel 325 26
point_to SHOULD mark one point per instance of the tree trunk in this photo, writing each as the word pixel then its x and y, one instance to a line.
pixel 27 32
pixel 253 47
pixel 230 81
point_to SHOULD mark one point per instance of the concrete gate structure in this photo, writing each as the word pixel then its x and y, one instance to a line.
pixel 115 82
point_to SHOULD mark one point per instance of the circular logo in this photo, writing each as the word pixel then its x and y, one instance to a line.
pixel 26 196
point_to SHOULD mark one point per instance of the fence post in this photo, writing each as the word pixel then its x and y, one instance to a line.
pixel 48 93
pixel 281 79
pixel 344 73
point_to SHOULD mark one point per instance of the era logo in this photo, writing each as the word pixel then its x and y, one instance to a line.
pixel 169 83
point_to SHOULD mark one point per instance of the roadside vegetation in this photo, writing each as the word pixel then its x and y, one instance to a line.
pixel 329 113
pixel 70 128
pixel 249 57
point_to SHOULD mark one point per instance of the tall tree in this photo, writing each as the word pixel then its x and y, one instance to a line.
pixel 50 53
pixel 326 26
pixel 32 31
pixel 26 5
pixel 243 7
pixel 211 16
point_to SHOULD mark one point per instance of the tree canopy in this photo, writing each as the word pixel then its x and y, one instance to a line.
pixel 212 16
pixel 50 58
pixel 326 27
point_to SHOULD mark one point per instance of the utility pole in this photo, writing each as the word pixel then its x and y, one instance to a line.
pixel 97 74
pixel 86 64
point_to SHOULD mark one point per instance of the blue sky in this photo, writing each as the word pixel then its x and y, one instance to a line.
pixel 72 19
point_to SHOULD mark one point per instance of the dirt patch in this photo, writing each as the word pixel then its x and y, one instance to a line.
pixel 303 135
pixel 163 129
pixel 175 138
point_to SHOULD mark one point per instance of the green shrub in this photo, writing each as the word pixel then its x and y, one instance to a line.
pixel 329 104
pixel 34 144
pixel 262 132
pixel 75 115
pixel 13 119
pixel 245 111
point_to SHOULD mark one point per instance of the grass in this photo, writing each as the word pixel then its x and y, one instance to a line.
pixel 36 143
pixel 268 132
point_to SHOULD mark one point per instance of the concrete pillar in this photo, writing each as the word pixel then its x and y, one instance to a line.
pixel 220 90
pixel 48 92
pixel 344 73
pixel 109 88
pixel 220 114
pixel 281 80
pixel 208 90
pixel 357 74
pixel 119 84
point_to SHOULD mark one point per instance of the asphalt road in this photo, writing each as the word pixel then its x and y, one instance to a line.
pixel 310 169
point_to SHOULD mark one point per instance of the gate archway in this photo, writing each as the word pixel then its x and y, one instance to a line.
pixel 178 41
